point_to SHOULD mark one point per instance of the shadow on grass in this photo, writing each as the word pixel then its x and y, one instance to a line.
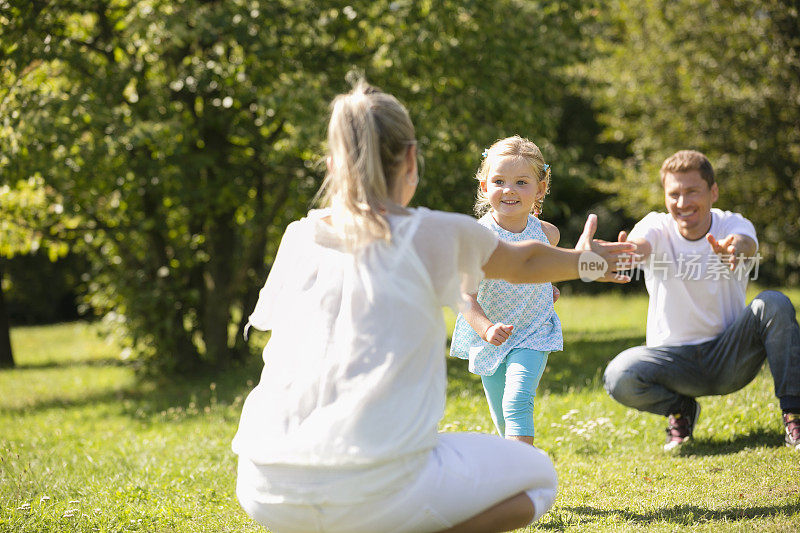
pixel 105 397
pixel 580 365
pixel 188 397
pixel 754 439
pixel 684 515
pixel 583 361
pixel 183 397
pixel 459 378
pixel 108 361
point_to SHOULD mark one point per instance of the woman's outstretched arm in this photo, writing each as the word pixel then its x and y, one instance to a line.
pixel 536 262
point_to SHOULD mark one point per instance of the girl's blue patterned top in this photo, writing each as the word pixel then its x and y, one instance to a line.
pixel 526 306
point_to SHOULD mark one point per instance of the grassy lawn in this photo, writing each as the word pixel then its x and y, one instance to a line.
pixel 84 446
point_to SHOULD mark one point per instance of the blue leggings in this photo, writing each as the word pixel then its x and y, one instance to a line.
pixel 511 389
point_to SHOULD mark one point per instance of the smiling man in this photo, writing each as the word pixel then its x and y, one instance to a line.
pixel 702 339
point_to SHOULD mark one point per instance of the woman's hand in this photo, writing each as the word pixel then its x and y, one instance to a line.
pixel 614 255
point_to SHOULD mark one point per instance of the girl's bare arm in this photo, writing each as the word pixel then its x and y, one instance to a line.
pixel 487 330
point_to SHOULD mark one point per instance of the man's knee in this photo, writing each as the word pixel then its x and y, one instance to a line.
pixel 769 305
pixel 621 380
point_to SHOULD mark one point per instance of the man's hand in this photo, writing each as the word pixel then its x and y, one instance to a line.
pixel 498 333
pixel 641 250
pixel 626 261
pixel 732 248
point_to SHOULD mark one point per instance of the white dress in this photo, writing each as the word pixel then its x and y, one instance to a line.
pixel 353 385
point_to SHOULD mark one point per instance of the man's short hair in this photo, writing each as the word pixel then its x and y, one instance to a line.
pixel 686 161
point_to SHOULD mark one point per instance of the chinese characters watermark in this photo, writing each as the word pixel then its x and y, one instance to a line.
pixel 692 267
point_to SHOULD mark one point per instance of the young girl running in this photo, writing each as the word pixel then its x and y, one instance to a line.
pixel 340 433
pixel 507 330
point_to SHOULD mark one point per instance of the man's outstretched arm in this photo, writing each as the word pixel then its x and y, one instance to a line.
pixel 643 247
pixel 733 247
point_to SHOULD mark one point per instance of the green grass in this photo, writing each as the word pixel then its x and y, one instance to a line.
pixel 85 446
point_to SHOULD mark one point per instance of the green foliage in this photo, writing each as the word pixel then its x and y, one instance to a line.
pixel 175 132
pixel 720 77
pixel 130 455
pixel 32 219
pixel 185 135
pixel 468 81
pixel 172 141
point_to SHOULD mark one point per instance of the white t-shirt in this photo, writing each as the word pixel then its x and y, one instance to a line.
pixel 693 295
pixel 354 373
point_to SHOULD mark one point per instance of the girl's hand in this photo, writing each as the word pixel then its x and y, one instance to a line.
pixel 497 334
pixel 556 294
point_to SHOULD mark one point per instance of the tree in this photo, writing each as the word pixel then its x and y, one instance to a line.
pixel 721 77
pixel 174 133
pixel 32 213
pixel 26 226
pixel 6 354
pixel 184 135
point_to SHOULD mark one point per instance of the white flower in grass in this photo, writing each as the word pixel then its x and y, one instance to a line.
pixel 569 414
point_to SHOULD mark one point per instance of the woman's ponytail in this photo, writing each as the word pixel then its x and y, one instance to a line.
pixel 368 136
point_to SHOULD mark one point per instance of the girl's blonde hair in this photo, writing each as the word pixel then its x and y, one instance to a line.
pixel 369 134
pixel 515 146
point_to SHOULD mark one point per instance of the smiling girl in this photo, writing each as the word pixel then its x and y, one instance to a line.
pixel 508 330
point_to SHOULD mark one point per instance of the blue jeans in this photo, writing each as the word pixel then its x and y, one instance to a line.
pixel 511 389
pixel 666 379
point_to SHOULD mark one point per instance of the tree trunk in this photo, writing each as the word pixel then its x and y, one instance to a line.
pixel 6 355
pixel 255 258
pixel 218 289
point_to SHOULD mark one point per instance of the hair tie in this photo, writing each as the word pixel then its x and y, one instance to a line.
pixel 485 152
pixel 545 167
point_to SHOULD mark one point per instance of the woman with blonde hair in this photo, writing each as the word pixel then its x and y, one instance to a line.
pixel 340 435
